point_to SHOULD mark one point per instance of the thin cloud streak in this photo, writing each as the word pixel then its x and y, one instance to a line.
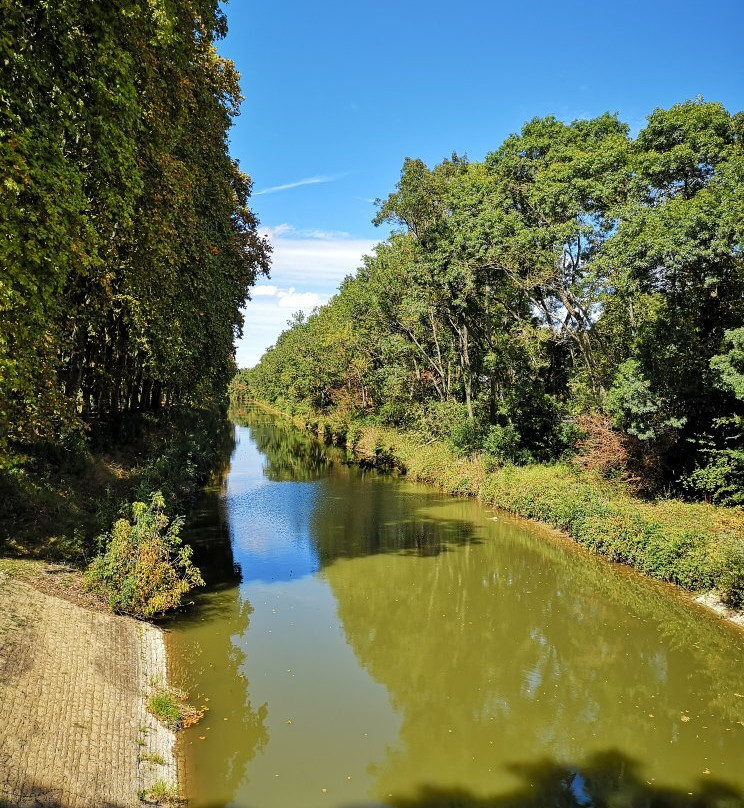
pixel 286 187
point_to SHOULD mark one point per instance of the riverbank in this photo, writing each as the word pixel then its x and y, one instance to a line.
pixel 697 546
pixel 74 681
pixel 62 498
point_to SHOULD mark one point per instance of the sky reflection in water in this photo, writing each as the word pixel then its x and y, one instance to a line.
pixel 365 641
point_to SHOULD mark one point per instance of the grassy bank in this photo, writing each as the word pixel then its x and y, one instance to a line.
pixel 60 499
pixel 697 546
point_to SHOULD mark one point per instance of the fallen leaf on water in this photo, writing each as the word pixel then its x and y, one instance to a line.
pixel 202 737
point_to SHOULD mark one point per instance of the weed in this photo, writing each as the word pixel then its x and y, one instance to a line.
pixel 152 757
pixel 170 707
pixel 161 793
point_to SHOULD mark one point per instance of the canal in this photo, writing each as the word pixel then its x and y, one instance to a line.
pixel 366 641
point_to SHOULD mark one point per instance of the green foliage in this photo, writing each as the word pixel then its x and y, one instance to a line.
pixel 60 500
pixel 576 271
pixel 144 569
pixel 502 444
pixel 720 475
pixel 721 479
pixel 730 365
pixel 731 580
pixel 634 406
pixel 126 242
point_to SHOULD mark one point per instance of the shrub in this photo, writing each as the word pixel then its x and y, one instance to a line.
pixel 502 443
pixel 449 421
pixel 144 570
pixel 721 480
pixel 732 577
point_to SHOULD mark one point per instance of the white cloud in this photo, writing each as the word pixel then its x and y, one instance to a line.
pixel 280 230
pixel 294 300
pixel 307 267
pixel 264 290
pixel 297 184
pixel 325 235
pixel 325 261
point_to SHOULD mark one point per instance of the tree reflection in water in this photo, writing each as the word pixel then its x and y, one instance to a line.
pixel 206 661
pixel 512 661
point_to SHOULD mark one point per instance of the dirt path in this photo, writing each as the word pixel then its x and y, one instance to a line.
pixel 72 704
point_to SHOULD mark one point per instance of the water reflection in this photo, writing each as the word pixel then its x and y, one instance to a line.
pixel 510 650
pixel 407 650
pixel 206 661
pixel 290 455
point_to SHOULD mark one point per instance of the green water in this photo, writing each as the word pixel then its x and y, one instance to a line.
pixel 365 641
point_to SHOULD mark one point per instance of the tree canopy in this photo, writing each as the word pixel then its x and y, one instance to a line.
pixel 126 243
pixel 576 280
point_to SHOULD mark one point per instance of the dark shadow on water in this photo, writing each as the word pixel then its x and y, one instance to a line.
pixel 209 536
pixel 607 780
pixel 356 534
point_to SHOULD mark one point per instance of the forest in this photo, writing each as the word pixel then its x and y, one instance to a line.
pixel 127 245
pixel 127 250
pixel 579 294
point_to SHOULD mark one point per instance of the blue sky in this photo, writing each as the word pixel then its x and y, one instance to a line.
pixel 338 93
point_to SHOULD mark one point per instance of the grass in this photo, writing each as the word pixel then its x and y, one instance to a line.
pixel 171 708
pixel 161 793
pixel 698 546
pixel 152 757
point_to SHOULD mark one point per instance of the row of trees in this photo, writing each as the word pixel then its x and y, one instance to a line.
pixel 577 275
pixel 126 244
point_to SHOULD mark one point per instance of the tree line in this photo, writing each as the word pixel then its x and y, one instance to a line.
pixel 126 243
pixel 580 289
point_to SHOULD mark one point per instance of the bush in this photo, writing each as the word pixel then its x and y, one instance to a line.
pixel 449 421
pixel 732 577
pixel 721 480
pixel 502 444
pixel 144 570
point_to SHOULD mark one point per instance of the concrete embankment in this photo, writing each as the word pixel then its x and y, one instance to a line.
pixel 73 688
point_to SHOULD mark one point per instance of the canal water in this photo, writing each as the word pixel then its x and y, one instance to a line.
pixel 365 641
